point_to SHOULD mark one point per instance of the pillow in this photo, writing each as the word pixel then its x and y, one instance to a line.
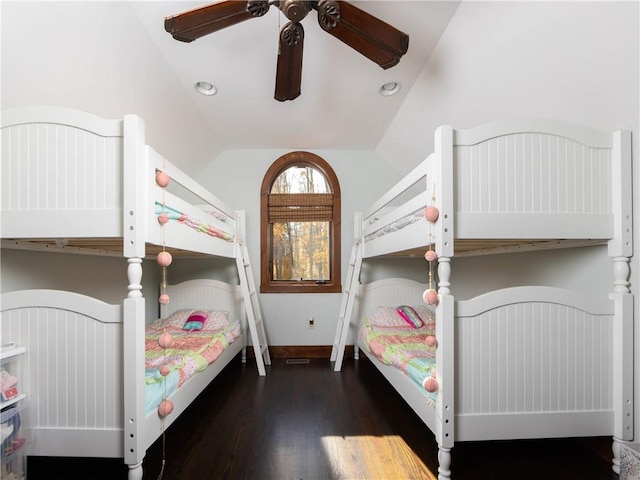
pixel 427 315
pixel 215 319
pixel 195 321
pixel 389 317
pixel 386 317
pixel 410 316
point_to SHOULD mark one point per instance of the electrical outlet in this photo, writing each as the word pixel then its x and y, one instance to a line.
pixel 311 323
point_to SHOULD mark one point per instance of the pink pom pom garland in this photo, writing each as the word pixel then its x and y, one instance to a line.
pixel 430 256
pixel 430 296
pixel 165 340
pixel 163 218
pixel 164 259
pixel 165 408
pixel 431 213
pixel 430 384
pixel 162 179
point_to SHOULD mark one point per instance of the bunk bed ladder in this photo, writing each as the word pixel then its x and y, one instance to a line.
pixel 346 308
pixel 254 315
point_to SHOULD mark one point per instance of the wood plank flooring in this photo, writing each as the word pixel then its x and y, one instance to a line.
pixel 306 422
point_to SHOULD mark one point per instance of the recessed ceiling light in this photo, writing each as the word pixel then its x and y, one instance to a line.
pixel 206 88
pixel 389 88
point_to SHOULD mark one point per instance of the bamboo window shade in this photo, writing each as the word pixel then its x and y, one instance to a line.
pixel 300 207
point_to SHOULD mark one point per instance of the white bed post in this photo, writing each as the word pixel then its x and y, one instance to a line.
pixel 440 184
pixel 620 250
pixel 134 171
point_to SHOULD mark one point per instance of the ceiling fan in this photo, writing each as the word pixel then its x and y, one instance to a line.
pixel 373 38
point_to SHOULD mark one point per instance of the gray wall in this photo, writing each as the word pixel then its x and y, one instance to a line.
pixel 236 176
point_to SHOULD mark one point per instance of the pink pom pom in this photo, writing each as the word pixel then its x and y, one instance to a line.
pixel 164 370
pixel 430 296
pixel 164 299
pixel 431 341
pixel 165 408
pixel 431 213
pixel 430 256
pixel 164 259
pixel 163 218
pixel 430 384
pixel 165 340
pixel 162 179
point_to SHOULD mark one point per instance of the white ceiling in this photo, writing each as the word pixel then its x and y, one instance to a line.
pixel 93 56
pixel 339 106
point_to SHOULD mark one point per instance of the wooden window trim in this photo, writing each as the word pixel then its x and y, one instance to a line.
pixel 267 285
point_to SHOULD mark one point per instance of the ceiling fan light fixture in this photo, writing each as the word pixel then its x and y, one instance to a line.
pixel 206 88
pixel 389 88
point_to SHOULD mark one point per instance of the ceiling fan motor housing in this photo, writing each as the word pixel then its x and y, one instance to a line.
pixel 295 10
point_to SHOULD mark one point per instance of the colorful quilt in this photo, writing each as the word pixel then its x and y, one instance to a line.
pixel 404 348
pixel 190 352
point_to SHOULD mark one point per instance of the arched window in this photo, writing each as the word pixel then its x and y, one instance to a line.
pixel 300 226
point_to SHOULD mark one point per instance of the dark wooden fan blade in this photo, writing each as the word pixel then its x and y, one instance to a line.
pixel 373 38
pixel 192 24
pixel 289 68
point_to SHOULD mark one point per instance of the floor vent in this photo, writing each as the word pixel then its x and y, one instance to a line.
pixel 297 361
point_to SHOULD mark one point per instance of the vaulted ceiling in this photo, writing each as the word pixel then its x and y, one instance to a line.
pixel 340 106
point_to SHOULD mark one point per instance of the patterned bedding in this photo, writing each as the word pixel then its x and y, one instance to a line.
pixel 407 349
pixel 399 224
pixel 173 214
pixel 190 352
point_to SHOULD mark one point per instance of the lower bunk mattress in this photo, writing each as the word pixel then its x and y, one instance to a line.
pixel 404 337
pixel 181 345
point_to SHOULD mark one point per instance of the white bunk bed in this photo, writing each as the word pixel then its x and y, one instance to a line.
pixel 77 377
pixel 511 363
pixel 75 183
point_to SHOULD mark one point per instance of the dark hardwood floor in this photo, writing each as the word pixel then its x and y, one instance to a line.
pixel 304 421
